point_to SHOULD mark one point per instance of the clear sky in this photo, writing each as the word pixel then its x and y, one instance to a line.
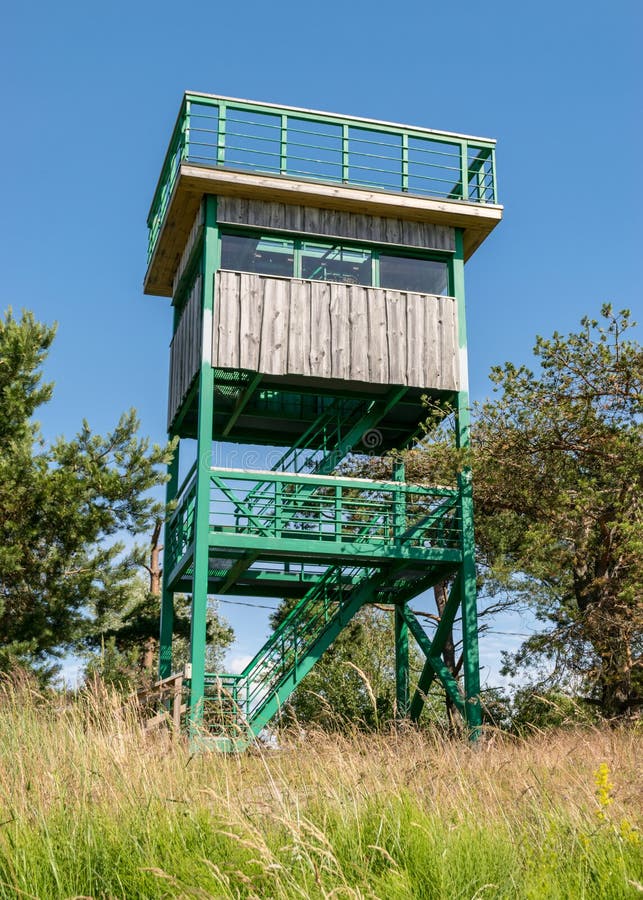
pixel 90 93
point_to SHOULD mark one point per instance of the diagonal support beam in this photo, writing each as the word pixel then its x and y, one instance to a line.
pixel 429 520
pixel 240 505
pixel 241 404
pixel 401 663
pixel 358 597
pixel 185 406
pixel 373 417
pixel 376 412
pixel 242 565
pixel 432 648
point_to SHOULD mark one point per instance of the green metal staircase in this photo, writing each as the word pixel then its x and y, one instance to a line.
pixel 238 707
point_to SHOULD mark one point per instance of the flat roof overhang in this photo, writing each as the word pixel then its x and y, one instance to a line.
pixel 476 219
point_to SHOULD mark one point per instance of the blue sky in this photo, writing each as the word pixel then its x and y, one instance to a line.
pixel 90 93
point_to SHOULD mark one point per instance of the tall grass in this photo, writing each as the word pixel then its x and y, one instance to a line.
pixel 91 806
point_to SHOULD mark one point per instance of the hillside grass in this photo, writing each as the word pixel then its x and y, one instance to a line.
pixel 91 806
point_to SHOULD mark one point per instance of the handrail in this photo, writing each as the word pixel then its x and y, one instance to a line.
pixel 224 132
pixel 296 633
pixel 327 512
pixel 331 481
pixel 185 483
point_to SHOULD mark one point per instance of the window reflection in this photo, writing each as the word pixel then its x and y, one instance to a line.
pixel 336 263
pixel 267 256
pixel 404 273
pixel 318 261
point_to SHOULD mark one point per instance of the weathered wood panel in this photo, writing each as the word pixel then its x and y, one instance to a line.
pixel 281 326
pixel 185 351
pixel 335 223
pixel 192 238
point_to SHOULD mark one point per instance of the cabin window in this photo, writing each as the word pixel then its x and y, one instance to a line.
pixel 405 273
pixel 264 255
pixel 323 262
pixel 319 261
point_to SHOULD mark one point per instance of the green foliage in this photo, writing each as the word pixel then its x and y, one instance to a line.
pixel 91 806
pixel 62 508
pixel 532 709
pixel 354 681
pixel 558 472
pixel 123 645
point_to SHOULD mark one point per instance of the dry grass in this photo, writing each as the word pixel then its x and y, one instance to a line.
pixel 90 805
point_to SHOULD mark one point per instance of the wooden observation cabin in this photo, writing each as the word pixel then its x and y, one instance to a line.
pixel 316 268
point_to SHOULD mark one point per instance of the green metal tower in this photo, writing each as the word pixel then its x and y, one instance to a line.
pixel 316 268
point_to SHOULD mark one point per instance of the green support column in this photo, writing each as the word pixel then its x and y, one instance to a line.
pixel 210 263
pixel 167 597
pixel 401 628
pixel 467 582
pixel 401 663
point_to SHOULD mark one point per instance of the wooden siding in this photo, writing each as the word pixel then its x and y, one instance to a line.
pixel 192 238
pixel 335 223
pixel 185 351
pixel 281 326
pixel 477 220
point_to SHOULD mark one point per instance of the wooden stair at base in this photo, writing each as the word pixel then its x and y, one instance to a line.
pixel 166 691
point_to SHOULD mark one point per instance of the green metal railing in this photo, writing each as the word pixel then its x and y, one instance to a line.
pixel 316 450
pixel 180 525
pixel 375 516
pixel 379 518
pixel 221 132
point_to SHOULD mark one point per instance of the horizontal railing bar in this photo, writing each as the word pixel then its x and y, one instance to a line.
pixel 187 478
pixel 232 103
pixel 198 114
pixel 213 131
pixel 233 148
pixel 413 149
pixel 413 175
pixel 275 127
pixel 353 165
pixel 254 475
pixel 352 140
pixel 252 137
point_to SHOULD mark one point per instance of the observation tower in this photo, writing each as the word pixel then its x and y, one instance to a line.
pixel 315 265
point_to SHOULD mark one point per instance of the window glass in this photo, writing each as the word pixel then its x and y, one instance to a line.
pixel 336 263
pixel 267 256
pixel 404 273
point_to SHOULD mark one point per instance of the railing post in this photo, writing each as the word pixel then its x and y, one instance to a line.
pixel 464 169
pixel 221 134
pixel 338 512
pixel 345 155
pixel 405 162
pixel 399 503
pixel 480 182
pixel 283 161
pixel 185 152
pixel 279 506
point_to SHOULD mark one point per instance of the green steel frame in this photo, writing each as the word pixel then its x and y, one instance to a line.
pixel 331 543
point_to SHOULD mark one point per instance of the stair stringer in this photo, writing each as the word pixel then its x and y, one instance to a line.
pixel 360 596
